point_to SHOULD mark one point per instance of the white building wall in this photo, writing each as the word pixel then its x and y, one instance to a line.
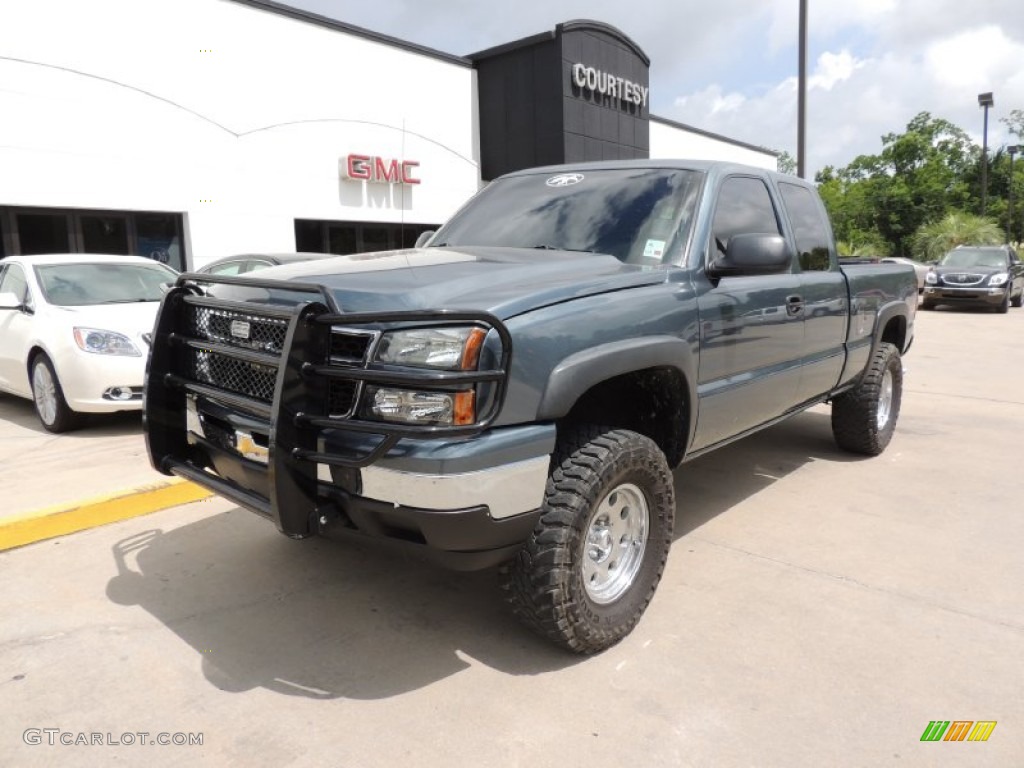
pixel 672 142
pixel 232 115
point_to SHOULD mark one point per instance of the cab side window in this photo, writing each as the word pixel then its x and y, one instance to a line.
pixel 744 207
pixel 809 227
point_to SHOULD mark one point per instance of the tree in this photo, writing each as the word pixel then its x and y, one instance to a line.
pixel 918 177
pixel 932 241
pixel 786 163
pixel 1015 123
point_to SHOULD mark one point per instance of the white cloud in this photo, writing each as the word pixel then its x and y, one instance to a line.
pixel 833 68
pixel 984 55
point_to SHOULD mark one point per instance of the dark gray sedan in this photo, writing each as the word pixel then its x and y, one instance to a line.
pixel 976 276
pixel 252 262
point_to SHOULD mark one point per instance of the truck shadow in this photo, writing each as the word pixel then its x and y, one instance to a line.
pixel 325 619
pixel 319 618
pixel 715 482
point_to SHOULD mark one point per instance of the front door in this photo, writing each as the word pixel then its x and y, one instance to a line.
pixel 751 328
pixel 15 330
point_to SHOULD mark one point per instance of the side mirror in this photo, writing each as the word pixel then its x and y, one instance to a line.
pixel 753 254
pixel 9 301
pixel 424 238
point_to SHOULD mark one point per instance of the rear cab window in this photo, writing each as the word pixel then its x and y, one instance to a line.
pixel 810 227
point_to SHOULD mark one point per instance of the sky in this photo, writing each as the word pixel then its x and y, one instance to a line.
pixel 730 66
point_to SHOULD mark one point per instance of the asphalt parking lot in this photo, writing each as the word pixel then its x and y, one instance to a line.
pixel 817 610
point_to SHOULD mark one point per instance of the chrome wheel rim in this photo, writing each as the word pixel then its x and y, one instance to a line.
pixel 44 392
pixel 616 539
pixel 884 400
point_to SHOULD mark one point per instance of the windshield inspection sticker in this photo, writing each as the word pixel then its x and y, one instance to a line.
pixel 564 180
pixel 654 249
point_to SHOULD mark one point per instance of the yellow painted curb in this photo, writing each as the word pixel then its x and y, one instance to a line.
pixel 59 520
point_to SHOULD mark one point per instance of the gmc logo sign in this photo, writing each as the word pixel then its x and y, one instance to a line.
pixel 379 169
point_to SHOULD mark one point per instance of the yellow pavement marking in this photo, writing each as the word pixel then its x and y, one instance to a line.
pixel 62 519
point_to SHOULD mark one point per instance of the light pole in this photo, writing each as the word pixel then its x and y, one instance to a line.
pixel 985 101
pixel 801 99
pixel 1012 151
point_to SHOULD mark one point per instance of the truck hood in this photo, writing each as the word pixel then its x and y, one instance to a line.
pixel 503 281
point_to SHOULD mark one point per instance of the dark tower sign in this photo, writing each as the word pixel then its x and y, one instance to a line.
pixel 579 93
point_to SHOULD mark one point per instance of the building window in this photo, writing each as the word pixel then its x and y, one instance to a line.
pixel 158 236
pixel 47 230
pixel 42 233
pixel 345 237
pixel 105 234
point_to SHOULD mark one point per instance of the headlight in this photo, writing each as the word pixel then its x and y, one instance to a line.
pixel 448 348
pixel 931 278
pixel 999 279
pixel 413 407
pixel 105 342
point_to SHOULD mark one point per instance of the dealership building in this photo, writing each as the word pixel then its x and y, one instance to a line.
pixel 189 130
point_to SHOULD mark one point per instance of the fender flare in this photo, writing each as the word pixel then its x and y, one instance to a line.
pixel 576 374
pixel 885 314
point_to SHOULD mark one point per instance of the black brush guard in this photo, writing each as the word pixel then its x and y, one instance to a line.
pixel 297 414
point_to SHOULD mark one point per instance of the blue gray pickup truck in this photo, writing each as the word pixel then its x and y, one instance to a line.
pixel 516 392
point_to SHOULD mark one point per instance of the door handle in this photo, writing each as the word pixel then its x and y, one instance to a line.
pixel 794 305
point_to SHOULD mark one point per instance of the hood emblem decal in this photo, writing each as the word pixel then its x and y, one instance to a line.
pixel 564 180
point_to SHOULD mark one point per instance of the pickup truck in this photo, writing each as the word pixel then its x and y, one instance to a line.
pixel 516 391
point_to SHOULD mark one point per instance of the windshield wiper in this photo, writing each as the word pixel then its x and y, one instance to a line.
pixel 546 247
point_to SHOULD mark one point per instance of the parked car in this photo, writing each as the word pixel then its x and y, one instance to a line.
pixel 75 331
pixel 921 270
pixel 978 276
pixel 253 262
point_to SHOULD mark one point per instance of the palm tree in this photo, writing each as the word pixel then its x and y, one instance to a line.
pixel 932 241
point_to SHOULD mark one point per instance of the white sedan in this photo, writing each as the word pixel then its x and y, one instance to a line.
pixel 75 331
pixel 921 270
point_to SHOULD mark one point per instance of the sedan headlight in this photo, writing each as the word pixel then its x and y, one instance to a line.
pixel 453 349
pixel 100 342
pixel 931 278
pixel 998 279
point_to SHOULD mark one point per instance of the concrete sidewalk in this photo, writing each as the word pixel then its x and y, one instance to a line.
pixel 52 485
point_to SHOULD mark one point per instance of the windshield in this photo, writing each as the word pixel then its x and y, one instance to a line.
pixel 78 285
pixel 974 257
pixel 638 215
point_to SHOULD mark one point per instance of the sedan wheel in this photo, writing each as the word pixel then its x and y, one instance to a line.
pixel 51 407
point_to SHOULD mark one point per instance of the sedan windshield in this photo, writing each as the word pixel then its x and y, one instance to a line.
pixel 78 285
pixel 637 215
pixel 974 257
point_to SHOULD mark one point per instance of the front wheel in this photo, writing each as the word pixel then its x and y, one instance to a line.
pixel 1020 298
pixel 864 418
pixel 1004 306
pixel 596 555
pixel 51 407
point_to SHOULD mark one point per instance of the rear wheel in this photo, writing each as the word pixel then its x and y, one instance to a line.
pixel 51 407
pixel 864 418
pixel 596 555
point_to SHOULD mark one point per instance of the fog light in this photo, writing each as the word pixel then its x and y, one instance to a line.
pixel 119 393
pixel 411 407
